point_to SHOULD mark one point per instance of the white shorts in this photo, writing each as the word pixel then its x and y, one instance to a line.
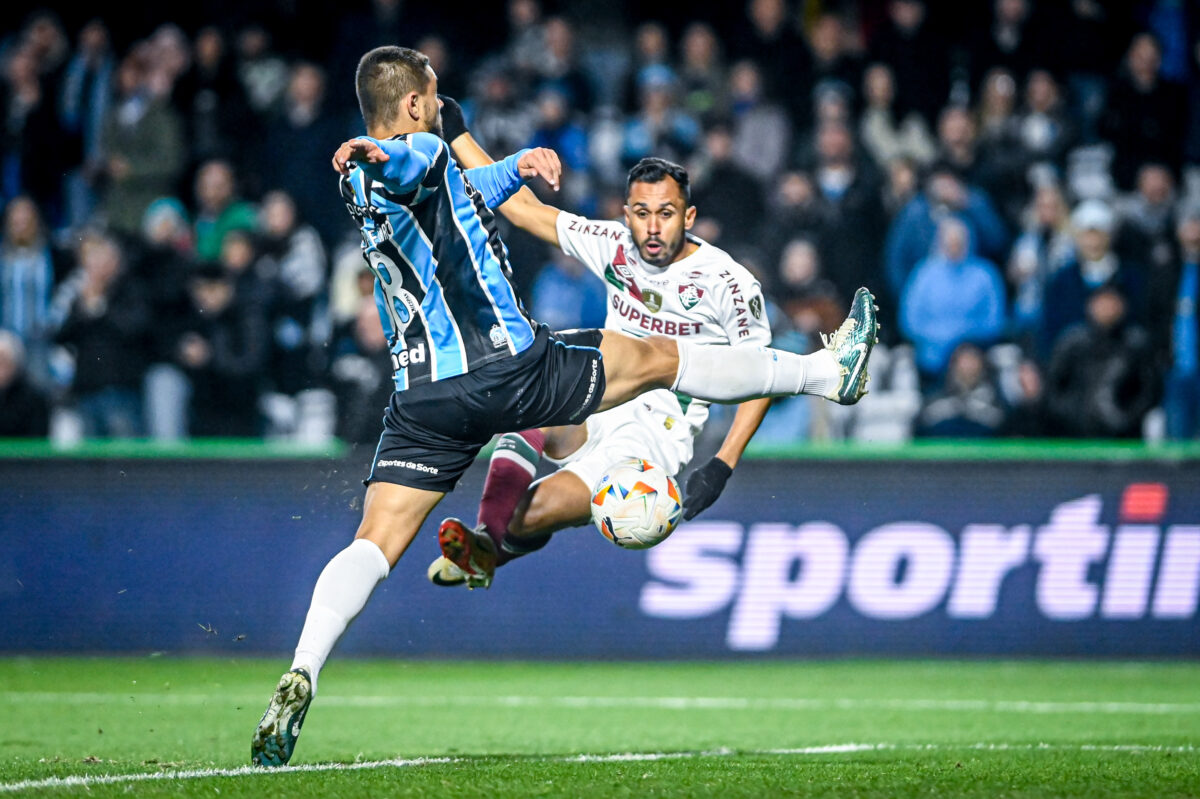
pixel 629 431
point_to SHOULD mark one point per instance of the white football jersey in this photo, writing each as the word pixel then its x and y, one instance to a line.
pixel 706 298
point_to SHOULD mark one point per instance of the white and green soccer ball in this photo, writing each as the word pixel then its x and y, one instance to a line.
pixel 636 504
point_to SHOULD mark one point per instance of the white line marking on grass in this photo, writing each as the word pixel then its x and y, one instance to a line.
pixel 87 781
pixel 651 702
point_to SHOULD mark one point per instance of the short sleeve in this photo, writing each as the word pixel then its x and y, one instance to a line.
pixel 592 242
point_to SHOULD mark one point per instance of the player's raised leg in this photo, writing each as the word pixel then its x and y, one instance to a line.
pixel 392 514
pixel 838 372
pixel 511 470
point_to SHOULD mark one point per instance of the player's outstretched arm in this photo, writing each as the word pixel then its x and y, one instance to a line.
pixel 399 165
pixel 523 209
pixel 705 484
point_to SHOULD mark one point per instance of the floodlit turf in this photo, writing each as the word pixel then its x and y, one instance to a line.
pixel 160 726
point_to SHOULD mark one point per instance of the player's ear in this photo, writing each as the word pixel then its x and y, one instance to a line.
pixel 628 216
pixel 412 104
pixel 689 217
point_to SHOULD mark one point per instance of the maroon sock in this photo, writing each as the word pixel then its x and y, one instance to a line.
pixel 513 465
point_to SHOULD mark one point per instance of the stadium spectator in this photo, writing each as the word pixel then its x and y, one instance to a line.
pixel 911 235
pixel 728 193
pixel 262 72
pixel 917 55
pixel 661 127
pixel 222 348
pixel 901 186
pixel 34 157
pixel 1182 396
pixel 995 164
pixel 1101 381
pixel 701 71
pixel 293 263
pixel 1145 118
pixel 1046 132
pixel 885 135
pixel 143 147
pixel 768 37
pixel 1011 42
pixel 795 209
pixel 1027 403
pixel 807 296
pixel 501 120
pixel 651 48
pixel 1095 265
pixel 164 262
pixel 218 209
pixel 1095 33
pixel 27 277
pixel 168 55
pixel 86 93
pixel 761 131
pixel 853 237
pixel 361 372
pixel 560 69
pixel 295 152
pixel 969 404
pixel 213 104
pixel 833 65
pixel 1044 247
pixel 557 130
pixel 24 409
pixel 105 321
pixel 566 296
pixel 951 297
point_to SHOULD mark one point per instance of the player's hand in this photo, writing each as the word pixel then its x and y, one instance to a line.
pixel 357 150
pixel 704 485
pixel 453 122
pixel 541 161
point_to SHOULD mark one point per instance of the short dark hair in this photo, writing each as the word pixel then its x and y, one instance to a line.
pixel 383 78
pixel 652 170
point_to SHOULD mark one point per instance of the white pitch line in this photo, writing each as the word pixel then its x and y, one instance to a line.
pixel 87 781
pixel 650 702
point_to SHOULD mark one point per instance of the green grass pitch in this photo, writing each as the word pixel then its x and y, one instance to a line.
pixel 181 727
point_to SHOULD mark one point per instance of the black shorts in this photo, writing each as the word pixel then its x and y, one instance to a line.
pixel 432 432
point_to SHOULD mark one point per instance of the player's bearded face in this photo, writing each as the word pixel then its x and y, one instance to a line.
pixel 431 109
pixel 658 216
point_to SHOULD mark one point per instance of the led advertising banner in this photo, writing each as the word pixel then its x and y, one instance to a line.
pixel 796 559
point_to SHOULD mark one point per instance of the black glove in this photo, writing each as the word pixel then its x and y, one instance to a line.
pixel 704 486
pixel 453 124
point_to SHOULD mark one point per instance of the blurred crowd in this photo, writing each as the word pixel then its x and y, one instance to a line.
pixel 1018 182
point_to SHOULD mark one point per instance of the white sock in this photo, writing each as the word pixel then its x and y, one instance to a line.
pixel 720 374
pixel 341 593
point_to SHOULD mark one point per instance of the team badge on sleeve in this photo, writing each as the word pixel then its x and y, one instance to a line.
pixel 756 306
pixel 689 295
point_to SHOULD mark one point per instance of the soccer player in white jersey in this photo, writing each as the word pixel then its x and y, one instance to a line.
pixel 661 280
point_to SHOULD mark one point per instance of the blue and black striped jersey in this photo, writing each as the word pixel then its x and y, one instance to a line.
pixel 442 279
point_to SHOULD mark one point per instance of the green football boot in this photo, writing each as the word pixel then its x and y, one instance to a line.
pixel 275 738
pixel 851 346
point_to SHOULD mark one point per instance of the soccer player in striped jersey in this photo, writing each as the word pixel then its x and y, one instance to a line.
pixel 469 362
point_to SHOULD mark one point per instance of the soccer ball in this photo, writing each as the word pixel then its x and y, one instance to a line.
pixel 636 504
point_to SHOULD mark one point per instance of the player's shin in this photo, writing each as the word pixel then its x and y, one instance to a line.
pixel 717 375
pixel 342 591
pixel 512 468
